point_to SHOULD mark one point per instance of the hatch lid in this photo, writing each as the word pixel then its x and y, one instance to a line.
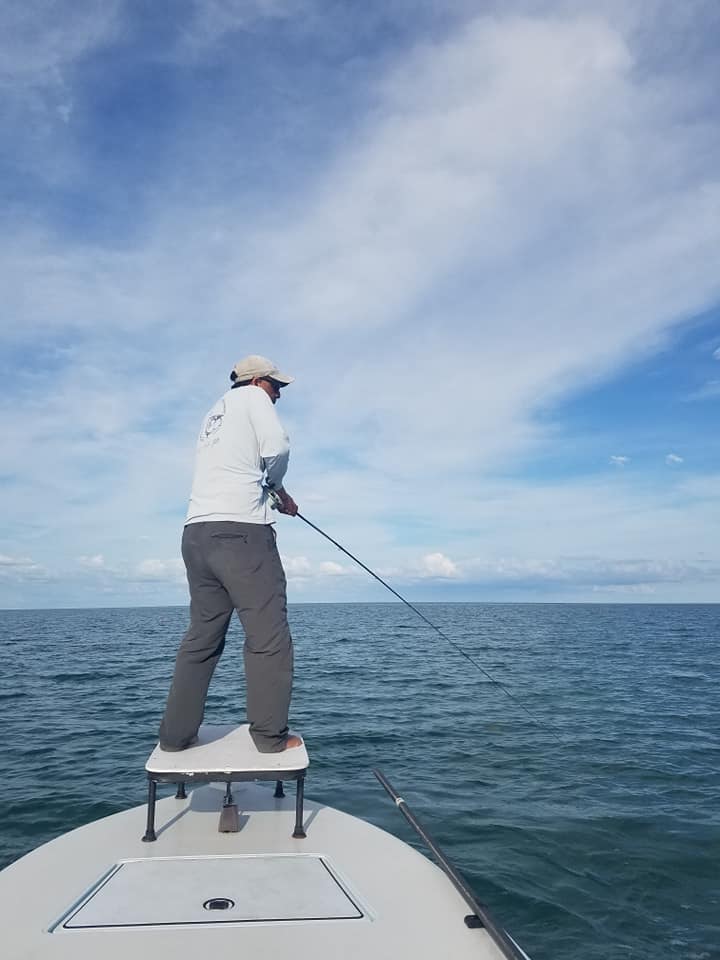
pixel 186 891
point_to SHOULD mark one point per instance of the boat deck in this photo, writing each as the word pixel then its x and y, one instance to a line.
pixel 348 890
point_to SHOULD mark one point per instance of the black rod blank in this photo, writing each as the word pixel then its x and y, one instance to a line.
pixel 504 941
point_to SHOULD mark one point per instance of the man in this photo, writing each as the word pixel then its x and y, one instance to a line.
pixel 232 561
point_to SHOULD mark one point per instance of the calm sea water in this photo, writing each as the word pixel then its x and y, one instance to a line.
pixel 592 831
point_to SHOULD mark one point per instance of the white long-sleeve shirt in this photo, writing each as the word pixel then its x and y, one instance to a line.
pixel 241 442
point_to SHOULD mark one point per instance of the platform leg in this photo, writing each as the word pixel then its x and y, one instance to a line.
pixel 299 832
pixel 279 792
pixel 181 795
pixel 150 828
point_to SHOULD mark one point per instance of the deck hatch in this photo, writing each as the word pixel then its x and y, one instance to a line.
pixel 174 891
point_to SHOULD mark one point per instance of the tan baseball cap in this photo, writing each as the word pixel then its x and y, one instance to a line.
pixel 256 366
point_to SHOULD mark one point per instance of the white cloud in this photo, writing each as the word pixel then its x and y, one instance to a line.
pixel 716 354
pixel 633 589
pixel 161 570
pixel 6 561
pixel 619 461
pixel 438 565
pixel 590 570
pixel 673 458
pixel 708 391
pixel 296 568
pixel 479 246
pixel 21 568
pixel 299 568
pixel 424 205
pixel 96 562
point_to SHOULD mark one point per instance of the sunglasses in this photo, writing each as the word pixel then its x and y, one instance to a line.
pixel 273 383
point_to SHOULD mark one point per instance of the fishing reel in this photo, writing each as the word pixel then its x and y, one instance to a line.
pixel 273 497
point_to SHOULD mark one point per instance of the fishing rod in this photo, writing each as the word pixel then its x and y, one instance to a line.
pixel 480 916
pixel 276 504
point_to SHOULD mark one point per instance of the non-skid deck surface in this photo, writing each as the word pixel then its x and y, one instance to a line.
pixel 225 749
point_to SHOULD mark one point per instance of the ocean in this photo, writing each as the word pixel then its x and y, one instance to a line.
pixel 583 809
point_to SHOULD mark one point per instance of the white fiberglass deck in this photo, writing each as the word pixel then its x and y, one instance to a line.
pixel 49 906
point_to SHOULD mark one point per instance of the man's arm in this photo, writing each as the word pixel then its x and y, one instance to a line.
pixel 274 448
pixel 273 442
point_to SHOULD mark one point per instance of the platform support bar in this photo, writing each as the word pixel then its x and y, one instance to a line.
pixel 299 832
pixel 150 828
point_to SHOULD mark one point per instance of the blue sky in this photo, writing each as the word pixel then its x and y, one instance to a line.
pixel 484 237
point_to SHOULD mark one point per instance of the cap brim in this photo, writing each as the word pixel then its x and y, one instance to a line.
pixel 282 378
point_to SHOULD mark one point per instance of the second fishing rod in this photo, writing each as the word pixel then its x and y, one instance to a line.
pixel 276 504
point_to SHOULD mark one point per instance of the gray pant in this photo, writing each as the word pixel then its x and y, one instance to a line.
pixel 233 566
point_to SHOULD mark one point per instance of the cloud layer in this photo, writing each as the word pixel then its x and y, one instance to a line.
pixel 448 240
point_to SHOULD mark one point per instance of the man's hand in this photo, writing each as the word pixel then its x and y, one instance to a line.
pixel 287 504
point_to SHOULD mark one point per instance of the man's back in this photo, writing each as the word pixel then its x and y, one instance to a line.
pixel 241 439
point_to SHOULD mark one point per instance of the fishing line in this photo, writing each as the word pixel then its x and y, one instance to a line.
pixel 276 502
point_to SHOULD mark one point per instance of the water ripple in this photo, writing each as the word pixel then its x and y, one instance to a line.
pixel 591 827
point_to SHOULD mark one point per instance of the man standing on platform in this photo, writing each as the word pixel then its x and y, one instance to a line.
pixel 232 561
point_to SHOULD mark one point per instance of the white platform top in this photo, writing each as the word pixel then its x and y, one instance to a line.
pixel 226 749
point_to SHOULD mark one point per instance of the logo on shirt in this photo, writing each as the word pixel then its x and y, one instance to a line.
pixel 214 421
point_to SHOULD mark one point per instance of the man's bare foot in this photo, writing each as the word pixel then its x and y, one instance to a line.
pixel 293 741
